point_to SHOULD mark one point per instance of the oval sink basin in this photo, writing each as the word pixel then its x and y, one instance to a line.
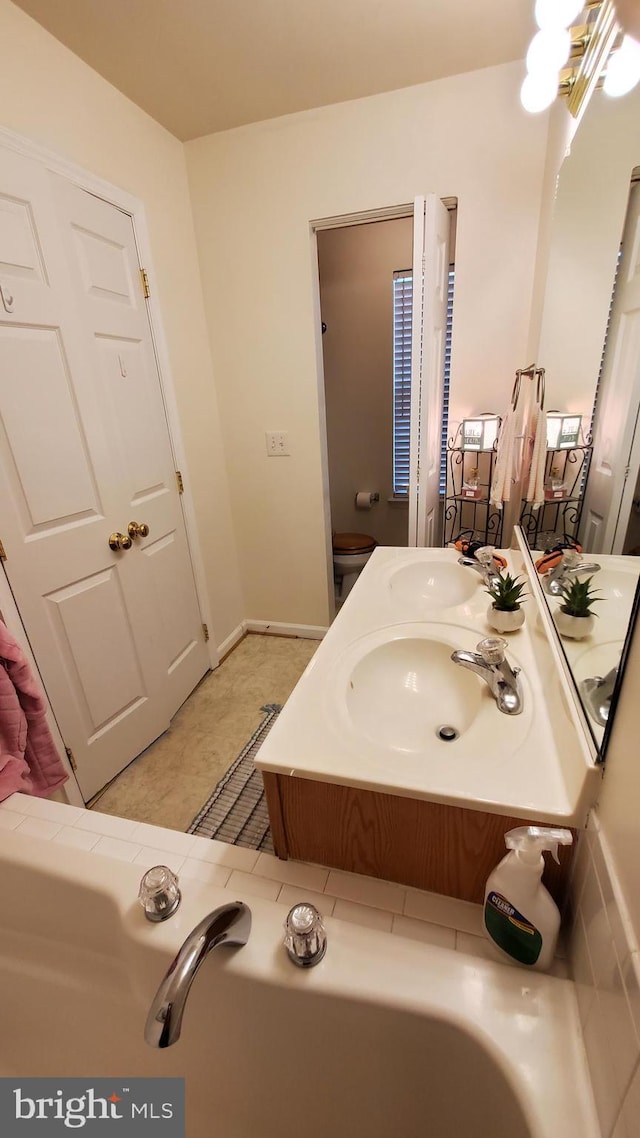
pixel 427 586
pixel 595 660
pixel 401 692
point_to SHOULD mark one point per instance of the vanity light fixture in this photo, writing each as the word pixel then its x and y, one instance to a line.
pixel 570 59
pixel 564 430
pixel 479 433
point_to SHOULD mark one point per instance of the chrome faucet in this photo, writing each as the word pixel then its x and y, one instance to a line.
pixel 597 692
pixel 230 925
pixel 490 663
pixel 570 565
pixel 483 564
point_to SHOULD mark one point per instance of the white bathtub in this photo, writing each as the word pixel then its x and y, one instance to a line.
pixel 386 1037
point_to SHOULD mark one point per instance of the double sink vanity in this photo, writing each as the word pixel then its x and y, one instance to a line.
pixel 392 759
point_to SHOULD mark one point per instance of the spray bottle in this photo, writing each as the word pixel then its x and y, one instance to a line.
pixel 520 916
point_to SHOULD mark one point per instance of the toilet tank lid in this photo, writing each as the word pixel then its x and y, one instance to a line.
pixel 353 543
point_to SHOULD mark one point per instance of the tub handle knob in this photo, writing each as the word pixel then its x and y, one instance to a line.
pixel 159 893
pixel 305 937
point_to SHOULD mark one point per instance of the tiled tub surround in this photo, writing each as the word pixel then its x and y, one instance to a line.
pixel 605 959
pixel 77 952
pixel 368 902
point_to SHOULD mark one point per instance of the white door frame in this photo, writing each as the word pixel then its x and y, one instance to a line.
pixel 340 221
pixel 133 206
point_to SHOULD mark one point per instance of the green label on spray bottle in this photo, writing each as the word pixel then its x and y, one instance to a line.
pixel 512 932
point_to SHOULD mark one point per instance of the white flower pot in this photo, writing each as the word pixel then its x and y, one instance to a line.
pixel 573 627
pixel 505 620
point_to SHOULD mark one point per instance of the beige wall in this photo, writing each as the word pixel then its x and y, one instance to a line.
pixel 255 191
pixel 356 298
pixel 51 97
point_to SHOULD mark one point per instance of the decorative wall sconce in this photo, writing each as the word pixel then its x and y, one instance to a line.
pixel 571 60
pixel 563 430
pixel 479 433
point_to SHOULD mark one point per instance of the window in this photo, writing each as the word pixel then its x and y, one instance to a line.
pixel 402 305
pixel 402 302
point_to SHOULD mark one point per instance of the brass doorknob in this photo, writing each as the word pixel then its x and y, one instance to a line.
pixel 138 529
pixel 119 541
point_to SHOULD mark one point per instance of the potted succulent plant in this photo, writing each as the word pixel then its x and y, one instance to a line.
pixel 505 613
pixel 574 618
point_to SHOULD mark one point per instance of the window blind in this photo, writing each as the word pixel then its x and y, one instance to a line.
pixel 402 304
pixel 402 312
pixel 446 381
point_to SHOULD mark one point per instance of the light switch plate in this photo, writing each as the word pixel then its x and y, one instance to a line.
pixel 277 444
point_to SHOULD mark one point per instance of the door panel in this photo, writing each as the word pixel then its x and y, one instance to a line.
pixel 90 612
pixel 101 244
pixel 430 286
pixel 80 443
pixel 21 256
pixel 104 267
pixel 131 386
pixel 167 564
pixel 34 374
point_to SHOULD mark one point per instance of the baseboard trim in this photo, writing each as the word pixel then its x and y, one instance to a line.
pixel 276 628
pixel 234 638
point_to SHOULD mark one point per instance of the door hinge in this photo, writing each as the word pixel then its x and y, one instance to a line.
pixel 70 756
pixel 3 555
pixel 206 631
pixel 180 482
pixel 145 283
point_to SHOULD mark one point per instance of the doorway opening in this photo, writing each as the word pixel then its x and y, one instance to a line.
pixel 378 299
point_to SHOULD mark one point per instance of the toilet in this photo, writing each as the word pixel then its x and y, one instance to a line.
pixel 351 551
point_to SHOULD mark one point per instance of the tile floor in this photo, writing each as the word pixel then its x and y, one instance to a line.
pixel 169 782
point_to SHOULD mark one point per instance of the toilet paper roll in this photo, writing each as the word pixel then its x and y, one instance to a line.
pixel 365 499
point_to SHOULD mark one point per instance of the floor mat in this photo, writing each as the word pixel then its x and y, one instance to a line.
pixel 237 812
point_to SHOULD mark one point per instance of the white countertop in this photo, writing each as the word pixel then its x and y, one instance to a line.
pixel 536 764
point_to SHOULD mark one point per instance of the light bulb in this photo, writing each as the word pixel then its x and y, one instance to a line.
pixel 623 68
pixel 548 51
pixel 557 13
pixel 538 92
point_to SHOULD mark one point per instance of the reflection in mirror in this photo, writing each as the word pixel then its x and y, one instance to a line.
pixel 590 347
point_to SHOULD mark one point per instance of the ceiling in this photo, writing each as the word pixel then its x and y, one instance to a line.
pixel 199 66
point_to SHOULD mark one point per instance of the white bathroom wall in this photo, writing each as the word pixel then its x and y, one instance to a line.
pixel 255 191
pixel 50 96
pixel 357 264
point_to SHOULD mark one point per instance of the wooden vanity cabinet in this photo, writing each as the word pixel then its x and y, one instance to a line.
pixel 428 845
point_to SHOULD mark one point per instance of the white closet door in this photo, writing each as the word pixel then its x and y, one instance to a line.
pixel 86 609
pixel 107 292
pixel 609 488
pixel 430 280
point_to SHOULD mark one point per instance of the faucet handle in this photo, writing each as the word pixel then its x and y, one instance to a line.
pixel 570 559
pixel 305 937
pixel 485 556
pixel 492 649
pixel 159 894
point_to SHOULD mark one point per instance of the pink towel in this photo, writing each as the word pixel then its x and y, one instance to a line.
pixel 29 760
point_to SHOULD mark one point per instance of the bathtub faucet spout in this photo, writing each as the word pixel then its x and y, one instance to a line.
pixel 229 925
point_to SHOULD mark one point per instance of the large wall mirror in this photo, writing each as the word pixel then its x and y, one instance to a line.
pixel 590 348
